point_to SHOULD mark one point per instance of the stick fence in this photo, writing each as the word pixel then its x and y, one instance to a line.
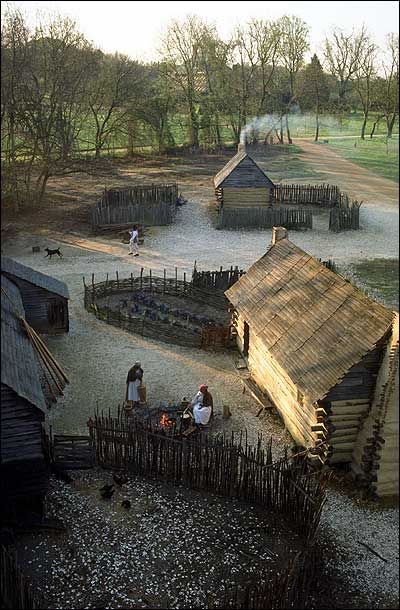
pixel 145 205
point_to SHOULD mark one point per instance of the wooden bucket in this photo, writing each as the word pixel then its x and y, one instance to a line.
pixel 142 393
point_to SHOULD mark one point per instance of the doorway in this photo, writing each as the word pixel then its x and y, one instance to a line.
pixel 246 339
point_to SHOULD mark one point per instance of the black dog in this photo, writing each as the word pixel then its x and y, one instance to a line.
pixel 53 252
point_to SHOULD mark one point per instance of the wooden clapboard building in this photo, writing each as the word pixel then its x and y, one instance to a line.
pixel 44 298
pixel 24 466
pixel 243 184
pixel 313 342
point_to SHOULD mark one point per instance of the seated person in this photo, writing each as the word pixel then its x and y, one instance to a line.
pixel 202 406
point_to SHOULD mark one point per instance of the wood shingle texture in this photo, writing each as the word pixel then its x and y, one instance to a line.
pixel 311 321
pixel 242 172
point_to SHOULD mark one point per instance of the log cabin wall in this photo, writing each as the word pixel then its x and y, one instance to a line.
pixel 297 413
pixel 24 471
pixel 245 197
pixel 45 311
pixel 375 459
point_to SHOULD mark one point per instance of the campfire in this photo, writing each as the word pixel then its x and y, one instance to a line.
pixel 166 422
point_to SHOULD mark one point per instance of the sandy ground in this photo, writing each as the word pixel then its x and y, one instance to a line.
pixel 97 357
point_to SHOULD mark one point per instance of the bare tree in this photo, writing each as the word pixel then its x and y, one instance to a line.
pixel 314 90
pixel 364 76
pixel 114 86
pixel 181 59
pixel 293 35
pixel 342 56
pixel 389 99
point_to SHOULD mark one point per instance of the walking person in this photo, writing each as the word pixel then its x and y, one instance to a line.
pixel 134 241
pixel 133 382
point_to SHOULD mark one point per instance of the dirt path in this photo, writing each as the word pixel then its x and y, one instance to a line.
pixel 357 181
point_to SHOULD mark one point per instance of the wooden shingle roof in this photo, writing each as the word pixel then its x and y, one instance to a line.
pixel 314 323
pixel 19 366
pixel 13 268
pixel 242 171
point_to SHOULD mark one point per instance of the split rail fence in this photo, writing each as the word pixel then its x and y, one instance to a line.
pixel 144 205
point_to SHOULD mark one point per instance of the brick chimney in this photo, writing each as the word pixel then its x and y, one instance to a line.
pixel 241 147
pixel 279 233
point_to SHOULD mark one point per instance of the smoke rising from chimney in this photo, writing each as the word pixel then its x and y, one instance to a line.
pixel 259 126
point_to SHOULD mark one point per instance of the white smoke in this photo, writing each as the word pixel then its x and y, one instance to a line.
pixel 299 124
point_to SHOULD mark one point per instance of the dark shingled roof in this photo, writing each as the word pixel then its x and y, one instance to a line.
pixel 242 171
pixel 19 367
pixel 12 267
pixel 314 323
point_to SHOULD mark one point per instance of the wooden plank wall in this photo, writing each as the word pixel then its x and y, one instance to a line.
pixel 37 303
pixel 272 380
pixel 246 197
pixel 265 217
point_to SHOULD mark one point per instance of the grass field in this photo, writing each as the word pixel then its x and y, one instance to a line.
pixel 380 277
pixel 379 155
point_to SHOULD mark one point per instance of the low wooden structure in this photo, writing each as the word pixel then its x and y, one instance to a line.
pixel 152 320
pixel 153 204
pixel 24 464
pixel 228 466
pixel 45 299
pixel 313 342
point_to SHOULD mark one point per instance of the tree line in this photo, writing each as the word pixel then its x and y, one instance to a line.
pixel 62 98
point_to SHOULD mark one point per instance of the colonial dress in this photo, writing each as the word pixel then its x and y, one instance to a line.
pixel 133 381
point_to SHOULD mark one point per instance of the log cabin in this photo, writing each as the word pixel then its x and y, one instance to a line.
pixel 243 184
pixel 313 342
pixel 24 465
pixel 44 298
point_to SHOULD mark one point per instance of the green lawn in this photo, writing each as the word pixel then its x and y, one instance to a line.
pixel 380 278
pixel 332 125
pixel 379 155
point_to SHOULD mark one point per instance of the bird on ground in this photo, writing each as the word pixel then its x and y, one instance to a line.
pixel 120 479
pixel 125 504
pixel 107 493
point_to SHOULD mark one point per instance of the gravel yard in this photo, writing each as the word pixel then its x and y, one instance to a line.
pixel 97 357
pixel 173 548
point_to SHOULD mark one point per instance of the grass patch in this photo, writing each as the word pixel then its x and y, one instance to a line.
pixel 283 163
pixel 379 155
pixel 380 278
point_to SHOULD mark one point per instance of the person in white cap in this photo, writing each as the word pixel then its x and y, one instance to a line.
pixel 202 405
pixel 133 381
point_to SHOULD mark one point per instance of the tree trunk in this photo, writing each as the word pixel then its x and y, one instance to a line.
pixel 374 126
pixel 364 126
pixel 390 125
pixel 290 141
pixel 317 126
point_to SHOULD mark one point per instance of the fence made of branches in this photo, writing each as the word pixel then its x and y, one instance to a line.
pixel 265 217
pixel 288 589
pixel 324 195
pixel 227 466
pixel 16 591
pixel 346 217
pixel 221 279
pixel 94 294
pixel 144 205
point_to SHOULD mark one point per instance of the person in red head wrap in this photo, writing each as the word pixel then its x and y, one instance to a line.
pixel 202 406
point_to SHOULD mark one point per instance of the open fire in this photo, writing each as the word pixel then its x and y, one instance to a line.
pixel 166 422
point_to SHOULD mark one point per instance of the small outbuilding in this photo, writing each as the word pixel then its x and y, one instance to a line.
pixel 314 343
pixel 45 299
pixel 243 184
pixel 24 464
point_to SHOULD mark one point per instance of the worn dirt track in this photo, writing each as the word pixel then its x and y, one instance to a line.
pixel 352 179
